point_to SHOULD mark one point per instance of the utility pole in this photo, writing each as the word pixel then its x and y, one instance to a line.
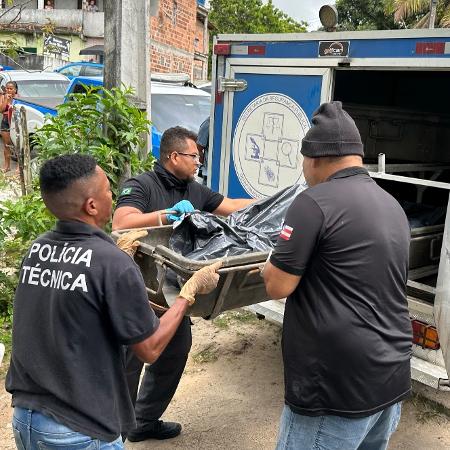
pixel 433 5
pixel 127 49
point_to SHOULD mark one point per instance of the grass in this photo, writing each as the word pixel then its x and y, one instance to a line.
pixel 207 355
pixel 3 181
pixel 429 411
pixel 234 317
pixel 8 182
pixel 5 338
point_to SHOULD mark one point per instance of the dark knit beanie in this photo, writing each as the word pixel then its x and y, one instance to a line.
pixel 333 133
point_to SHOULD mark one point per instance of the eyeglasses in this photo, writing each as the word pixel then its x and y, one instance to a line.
pixel 195 157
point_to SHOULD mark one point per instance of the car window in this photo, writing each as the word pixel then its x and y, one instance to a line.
pixel 71 71
pixel 42 88
pixel 92 71
pixel 170 110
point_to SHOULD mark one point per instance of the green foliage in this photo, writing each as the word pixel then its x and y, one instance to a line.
pixel 24 218
pixel 11 254
pixel 102 123
pixel 10 48
pixel 21 220
pixel 365 15
pixel 251 16
pixel 416 12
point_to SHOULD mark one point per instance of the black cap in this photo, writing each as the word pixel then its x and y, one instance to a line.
pixel 333 133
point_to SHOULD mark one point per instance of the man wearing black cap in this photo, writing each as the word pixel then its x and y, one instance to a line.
pixel 342 261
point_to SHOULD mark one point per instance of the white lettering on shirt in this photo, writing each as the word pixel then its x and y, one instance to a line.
pixel 65 275
pixel 45 282
pixel 85 257
pixel 66 253
pixel 44 252
pixel 58 277
pixel 80 281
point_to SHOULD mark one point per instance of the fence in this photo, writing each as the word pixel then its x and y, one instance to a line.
pixel 32 62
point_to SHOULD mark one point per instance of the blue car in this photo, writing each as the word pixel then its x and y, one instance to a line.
pixel 81 69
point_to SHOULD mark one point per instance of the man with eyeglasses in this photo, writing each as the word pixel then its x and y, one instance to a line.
pixel 167 192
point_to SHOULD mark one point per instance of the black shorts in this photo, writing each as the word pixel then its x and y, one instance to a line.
pixel 4 126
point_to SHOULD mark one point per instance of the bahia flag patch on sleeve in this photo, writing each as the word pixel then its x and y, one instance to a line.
pixel 286 232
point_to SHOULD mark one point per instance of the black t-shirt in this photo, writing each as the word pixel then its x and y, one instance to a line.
pixel 73 313
pixel 157 190
pixel 346 332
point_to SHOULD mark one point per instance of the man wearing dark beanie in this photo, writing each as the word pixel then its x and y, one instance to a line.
pixel 342 262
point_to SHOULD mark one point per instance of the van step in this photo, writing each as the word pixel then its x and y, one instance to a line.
pixel 429 374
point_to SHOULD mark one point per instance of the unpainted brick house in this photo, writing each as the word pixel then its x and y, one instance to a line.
pixel 179 30
pixel 180 38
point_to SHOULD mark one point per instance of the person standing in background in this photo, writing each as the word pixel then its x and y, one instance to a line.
pixel 6 109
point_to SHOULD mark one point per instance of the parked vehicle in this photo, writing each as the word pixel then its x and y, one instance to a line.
pixel 45 88
pixel 205 87
pixel 395 85
pixel 172 104
pixel 81 69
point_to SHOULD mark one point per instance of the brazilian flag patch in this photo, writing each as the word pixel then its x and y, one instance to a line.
pixel 126 191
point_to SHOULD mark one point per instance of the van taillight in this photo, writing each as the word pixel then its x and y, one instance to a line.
pixel 425 335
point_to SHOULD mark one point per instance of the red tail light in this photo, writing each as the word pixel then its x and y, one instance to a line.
pixel 425 335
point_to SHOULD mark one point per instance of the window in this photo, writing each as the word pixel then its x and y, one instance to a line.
pixel 170 110
pixel 71 71
pixel 42 88
pixel 93 71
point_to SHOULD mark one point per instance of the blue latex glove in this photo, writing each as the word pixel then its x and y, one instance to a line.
pixel 183 207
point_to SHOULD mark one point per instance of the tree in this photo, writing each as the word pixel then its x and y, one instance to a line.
pixel 365 15
pixel 251 16
pixel 419 12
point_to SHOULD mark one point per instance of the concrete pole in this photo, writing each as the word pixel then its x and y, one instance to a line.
pixel 127 49
pixel 205 48
pixel 433 5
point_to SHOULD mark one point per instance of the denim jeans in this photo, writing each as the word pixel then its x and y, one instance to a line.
pixel 337 433
pixel 35 431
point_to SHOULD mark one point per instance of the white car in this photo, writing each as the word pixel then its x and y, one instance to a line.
pixel 37 86
pixel 173 104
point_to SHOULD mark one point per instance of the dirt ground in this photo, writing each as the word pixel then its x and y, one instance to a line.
pixel 231 394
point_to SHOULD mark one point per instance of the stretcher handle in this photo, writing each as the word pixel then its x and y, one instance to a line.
pixel 158 308
pixel 160 282
pixel 160 213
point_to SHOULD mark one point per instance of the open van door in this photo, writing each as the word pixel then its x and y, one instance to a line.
pixel 442 298
pixel 266 114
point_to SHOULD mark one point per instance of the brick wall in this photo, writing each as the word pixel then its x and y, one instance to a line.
pixel 176 36
pixel 199 37
pixel 199 69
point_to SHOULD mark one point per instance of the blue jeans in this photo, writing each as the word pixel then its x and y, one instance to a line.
pixel 35 431
pixel 337 433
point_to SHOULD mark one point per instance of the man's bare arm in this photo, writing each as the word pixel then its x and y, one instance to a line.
pixel 129 217
pixel 279 284
pixel 202 282
pixel 150 349
pixel 230 205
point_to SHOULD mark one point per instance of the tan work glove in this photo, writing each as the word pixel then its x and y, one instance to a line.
pixel 202 282
pixel 129 243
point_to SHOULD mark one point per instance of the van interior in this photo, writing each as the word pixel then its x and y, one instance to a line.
pixel 406 116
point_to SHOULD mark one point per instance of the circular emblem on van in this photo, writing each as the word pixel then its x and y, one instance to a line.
pixel 266 144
